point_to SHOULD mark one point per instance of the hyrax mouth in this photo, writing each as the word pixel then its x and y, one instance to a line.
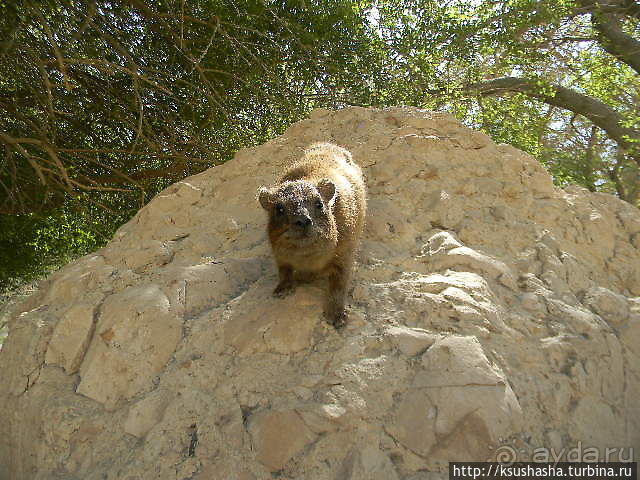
pixel 302 237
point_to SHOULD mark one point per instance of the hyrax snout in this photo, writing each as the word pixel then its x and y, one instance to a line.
pixel 316 216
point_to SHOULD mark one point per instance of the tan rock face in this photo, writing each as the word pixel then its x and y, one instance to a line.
pixel 136 335
pixel 71 337
pixel 489 309
pixel 278 436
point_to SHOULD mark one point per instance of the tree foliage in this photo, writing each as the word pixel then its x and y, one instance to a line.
pixel 574 64
pixel 108 96
pixel 104 103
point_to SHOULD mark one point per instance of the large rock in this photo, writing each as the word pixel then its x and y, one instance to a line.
pixel 278 437
pixel 490 313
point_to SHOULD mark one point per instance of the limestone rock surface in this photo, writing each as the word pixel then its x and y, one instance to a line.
pixel 490 312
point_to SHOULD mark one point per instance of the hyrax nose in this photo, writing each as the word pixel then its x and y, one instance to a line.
pixel 302 221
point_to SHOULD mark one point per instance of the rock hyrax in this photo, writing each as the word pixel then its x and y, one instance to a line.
pixel 316 216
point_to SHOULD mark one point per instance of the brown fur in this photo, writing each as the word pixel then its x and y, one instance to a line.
pixel 316 218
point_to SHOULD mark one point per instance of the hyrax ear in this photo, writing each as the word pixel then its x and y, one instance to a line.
pixel 265 197
pixel 327 190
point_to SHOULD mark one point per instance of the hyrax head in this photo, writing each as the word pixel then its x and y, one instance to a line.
pixel 299 211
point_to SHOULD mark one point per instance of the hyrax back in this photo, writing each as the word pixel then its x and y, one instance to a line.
pixel 316 216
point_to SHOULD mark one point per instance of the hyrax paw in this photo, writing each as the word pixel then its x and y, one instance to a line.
pixel 283 289
pixel 337 318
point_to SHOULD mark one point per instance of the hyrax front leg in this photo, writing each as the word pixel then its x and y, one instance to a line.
pixel 334 308
pixel 285 285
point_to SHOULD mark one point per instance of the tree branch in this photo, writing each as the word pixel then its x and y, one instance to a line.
pixel 598 112
pixel 176 170
pixel 611 37
pixel 626 8
pixel 614 41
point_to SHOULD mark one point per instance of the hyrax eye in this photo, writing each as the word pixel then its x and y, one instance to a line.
pixel 279 209
pixel 319 204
